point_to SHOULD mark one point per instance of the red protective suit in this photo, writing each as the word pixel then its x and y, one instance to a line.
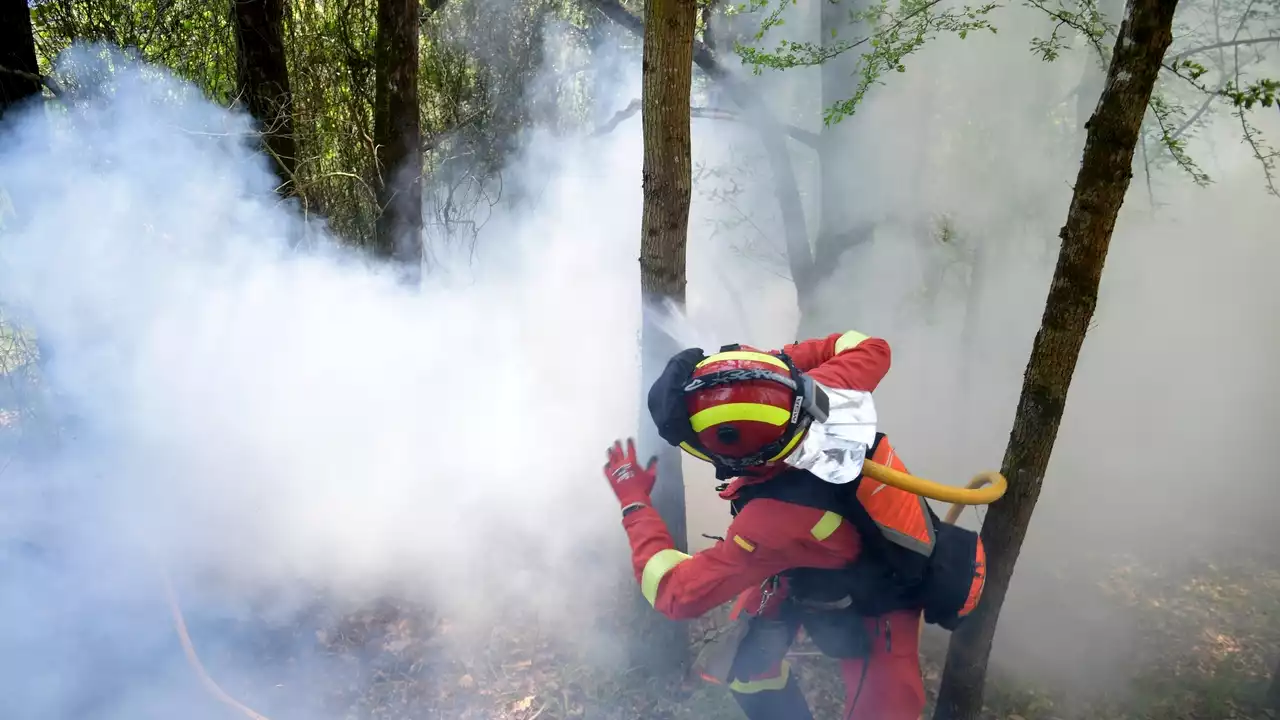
pixel 769 536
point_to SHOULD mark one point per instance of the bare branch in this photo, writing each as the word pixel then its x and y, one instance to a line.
pixel 631 109
pixel 1232 43
pixel 1265 156
pixel 800 134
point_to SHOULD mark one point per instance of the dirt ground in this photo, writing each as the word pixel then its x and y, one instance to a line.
pixel 1209 637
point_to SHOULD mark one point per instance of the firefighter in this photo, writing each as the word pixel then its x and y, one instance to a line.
pixel 813 544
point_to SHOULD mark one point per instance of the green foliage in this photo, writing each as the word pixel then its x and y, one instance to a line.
pixel 475 66
pixel 1260 92
pixel 895 34
pixel 1171 124
pixel 1077 19
pixel 1167 114
pixel 192 38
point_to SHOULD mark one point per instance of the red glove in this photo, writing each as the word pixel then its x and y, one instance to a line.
pixel 630 482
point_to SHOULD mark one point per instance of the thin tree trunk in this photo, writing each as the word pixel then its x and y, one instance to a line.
pixel 773 137
pixel 397 133
pixel 838 230
pixel 1273 692
pixel 263 77
pixel 1105 171
pixel 19 72
pixel 1092 75
pixel 667 175
pixel 964 430
pixel 667 75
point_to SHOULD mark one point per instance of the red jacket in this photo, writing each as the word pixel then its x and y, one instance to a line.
pixel 768 536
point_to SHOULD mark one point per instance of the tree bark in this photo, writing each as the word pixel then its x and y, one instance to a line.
pixel 397 134
pixel 1092 75
pixel 263 76
pixel 773 138
pixel 1273 692
pixel 667 180
pixel 667 75
pixel 1105 171
pixel 19 72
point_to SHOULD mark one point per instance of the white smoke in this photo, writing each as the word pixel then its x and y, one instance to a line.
pixel 275 421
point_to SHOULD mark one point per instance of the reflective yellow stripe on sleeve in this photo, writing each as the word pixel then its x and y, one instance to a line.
pixel 827 525
pixel 748 687
pixel 849 341
pixel 656 569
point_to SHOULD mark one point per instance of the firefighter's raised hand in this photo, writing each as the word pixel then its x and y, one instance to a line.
pixel 630 482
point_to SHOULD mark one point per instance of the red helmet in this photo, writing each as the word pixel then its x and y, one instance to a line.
pixel 740 409
pixel 739 419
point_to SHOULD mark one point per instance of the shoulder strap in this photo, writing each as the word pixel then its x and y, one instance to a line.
pixel 801 487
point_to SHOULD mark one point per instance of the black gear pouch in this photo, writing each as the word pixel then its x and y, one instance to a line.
pixel 840 634
pixel 765 644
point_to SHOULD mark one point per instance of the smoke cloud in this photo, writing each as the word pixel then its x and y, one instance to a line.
pixel 264 423
pixel 269 426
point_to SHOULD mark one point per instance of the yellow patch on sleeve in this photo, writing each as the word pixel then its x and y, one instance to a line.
pixel 829 523
pixel 744 543
pixel 849 341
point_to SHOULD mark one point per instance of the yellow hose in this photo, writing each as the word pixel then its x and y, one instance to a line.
pixel 973 494
pixel 189 649
pixel 978 481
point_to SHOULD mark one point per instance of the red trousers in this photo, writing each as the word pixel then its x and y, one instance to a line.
pixel 885 686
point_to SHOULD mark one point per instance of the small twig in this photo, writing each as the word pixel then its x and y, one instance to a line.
pixel 1234 42
pixel 711 113
pixel 1266 159
pixel 631 109
pixel 1146 169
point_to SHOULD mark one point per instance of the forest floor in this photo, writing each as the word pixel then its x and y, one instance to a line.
pixel 1207 641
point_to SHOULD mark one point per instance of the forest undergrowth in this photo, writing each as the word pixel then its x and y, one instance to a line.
pixel 1207 631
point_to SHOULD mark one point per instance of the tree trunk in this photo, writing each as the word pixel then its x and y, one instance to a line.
pixel 772 137
pixel 1092 75
pixel 667 74
pixel 838 230
pixel 1105 171
pixel 19 72
pixel 1273 692
pixel 263 77
pixel 397 133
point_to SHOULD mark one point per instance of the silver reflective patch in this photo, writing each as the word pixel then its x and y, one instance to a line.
pixel 835 450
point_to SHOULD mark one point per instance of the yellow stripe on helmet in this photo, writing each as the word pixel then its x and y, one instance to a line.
pixel 786 450
pixel 739 412
pixel 746 355
pixel 690 449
